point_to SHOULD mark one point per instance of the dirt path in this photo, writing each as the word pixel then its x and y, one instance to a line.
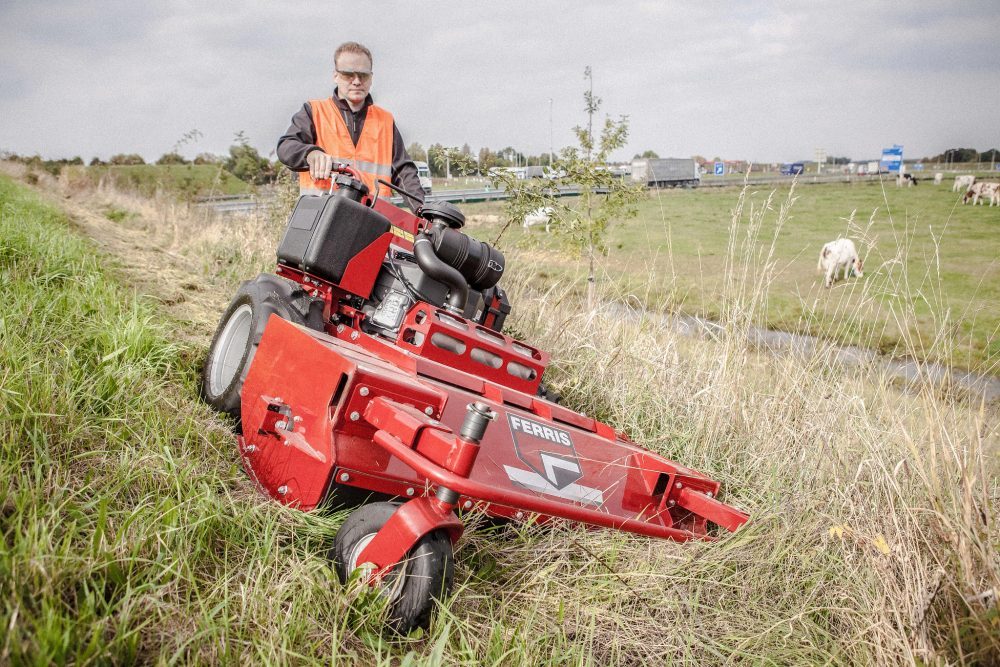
pixel 140 258
pixel 155 272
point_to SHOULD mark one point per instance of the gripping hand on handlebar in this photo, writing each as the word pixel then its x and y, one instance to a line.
pixel 320 164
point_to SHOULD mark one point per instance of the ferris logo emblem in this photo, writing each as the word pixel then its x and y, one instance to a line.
pixel 546 449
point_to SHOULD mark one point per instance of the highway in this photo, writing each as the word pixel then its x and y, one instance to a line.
pixel 240 204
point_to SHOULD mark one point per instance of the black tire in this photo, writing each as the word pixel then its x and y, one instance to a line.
pixel 414 586
pixel 239 332
pixel 548 394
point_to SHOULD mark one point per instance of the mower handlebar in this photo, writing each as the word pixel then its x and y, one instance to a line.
pixel 344 168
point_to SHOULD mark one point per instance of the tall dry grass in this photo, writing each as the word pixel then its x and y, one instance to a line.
pixel 874 535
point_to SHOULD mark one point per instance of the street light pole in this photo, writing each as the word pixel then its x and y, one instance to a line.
pixel 551 152
pixel 820 159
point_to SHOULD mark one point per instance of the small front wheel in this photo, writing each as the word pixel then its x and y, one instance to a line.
pixel 413 586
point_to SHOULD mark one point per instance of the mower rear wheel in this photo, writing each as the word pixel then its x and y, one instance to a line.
pixel 412 587
pixel 239 332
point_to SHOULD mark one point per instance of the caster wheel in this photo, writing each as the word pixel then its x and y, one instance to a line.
pixel 412 587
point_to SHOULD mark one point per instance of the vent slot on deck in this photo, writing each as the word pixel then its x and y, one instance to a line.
pixel 661 484
pixel 521 371
pixel 526 351
pixel 486 358
pixel 449 343
pixel 445 318
pixel 338 393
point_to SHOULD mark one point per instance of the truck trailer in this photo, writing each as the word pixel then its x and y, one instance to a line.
pixel 666 172
pixel 424 174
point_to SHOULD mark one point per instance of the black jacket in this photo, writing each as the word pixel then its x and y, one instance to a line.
pixel 300 140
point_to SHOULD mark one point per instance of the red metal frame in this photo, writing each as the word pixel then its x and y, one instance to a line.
pixel 320 410
pixel 435 334
pixel 342 407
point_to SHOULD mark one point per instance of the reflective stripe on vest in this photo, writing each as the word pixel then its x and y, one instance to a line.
pixel 371 158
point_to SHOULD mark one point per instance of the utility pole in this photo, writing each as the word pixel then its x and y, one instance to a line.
pixel 552 154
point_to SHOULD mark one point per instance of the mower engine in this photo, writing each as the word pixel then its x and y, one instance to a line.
pixel 374 366
pixel 444 268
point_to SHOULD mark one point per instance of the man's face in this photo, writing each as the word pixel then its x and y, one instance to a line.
pixel 350 87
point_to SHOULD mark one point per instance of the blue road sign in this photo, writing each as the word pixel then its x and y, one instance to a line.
pixel 720 168
pixel 892 158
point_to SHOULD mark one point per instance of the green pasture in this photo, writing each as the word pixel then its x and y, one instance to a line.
pixel 924 254
pixel 184 180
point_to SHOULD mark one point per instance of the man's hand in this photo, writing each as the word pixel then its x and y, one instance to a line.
pixel 320 165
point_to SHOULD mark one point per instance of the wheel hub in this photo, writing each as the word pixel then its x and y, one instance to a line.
pixel 391 584
pixel 229 349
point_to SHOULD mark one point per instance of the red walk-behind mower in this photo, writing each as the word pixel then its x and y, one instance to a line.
pixel 373 365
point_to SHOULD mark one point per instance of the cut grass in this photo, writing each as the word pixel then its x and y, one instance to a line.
pixel 130 535
pixel 115 214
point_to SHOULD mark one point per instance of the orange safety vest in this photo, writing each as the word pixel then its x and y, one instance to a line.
pixel 371 158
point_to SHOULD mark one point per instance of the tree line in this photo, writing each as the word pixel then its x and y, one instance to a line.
pixel 439 158
pixel 246 163
pixel 243 161
pixel 965 155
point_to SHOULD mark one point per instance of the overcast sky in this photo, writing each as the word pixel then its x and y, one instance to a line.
pixel 751 80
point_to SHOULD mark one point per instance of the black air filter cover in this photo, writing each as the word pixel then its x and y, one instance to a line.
pixel 479 263
pixel 442 210
pixel 325 232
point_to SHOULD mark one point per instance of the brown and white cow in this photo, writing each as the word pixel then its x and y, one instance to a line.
pixel 983 190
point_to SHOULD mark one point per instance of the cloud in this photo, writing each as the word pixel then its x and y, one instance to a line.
pixel 764 82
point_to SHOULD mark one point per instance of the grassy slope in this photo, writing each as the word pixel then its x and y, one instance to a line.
pixel 675 253
pixel 129 531
pixel 186 180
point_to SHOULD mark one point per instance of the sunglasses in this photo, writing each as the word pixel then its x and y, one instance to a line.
pixel 364 77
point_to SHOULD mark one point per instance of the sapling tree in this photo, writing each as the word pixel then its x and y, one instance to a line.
pixel 580 223
pixel 448 160
pixel 245 163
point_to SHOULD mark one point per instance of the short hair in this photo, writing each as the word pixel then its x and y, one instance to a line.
pixel 352 47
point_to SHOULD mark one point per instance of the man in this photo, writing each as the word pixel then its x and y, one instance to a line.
pixel 348 127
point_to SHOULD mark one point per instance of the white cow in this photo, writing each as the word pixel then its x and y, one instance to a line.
pixel 963 183
pixel 540 216
pixel 983 190
pixel 837 254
